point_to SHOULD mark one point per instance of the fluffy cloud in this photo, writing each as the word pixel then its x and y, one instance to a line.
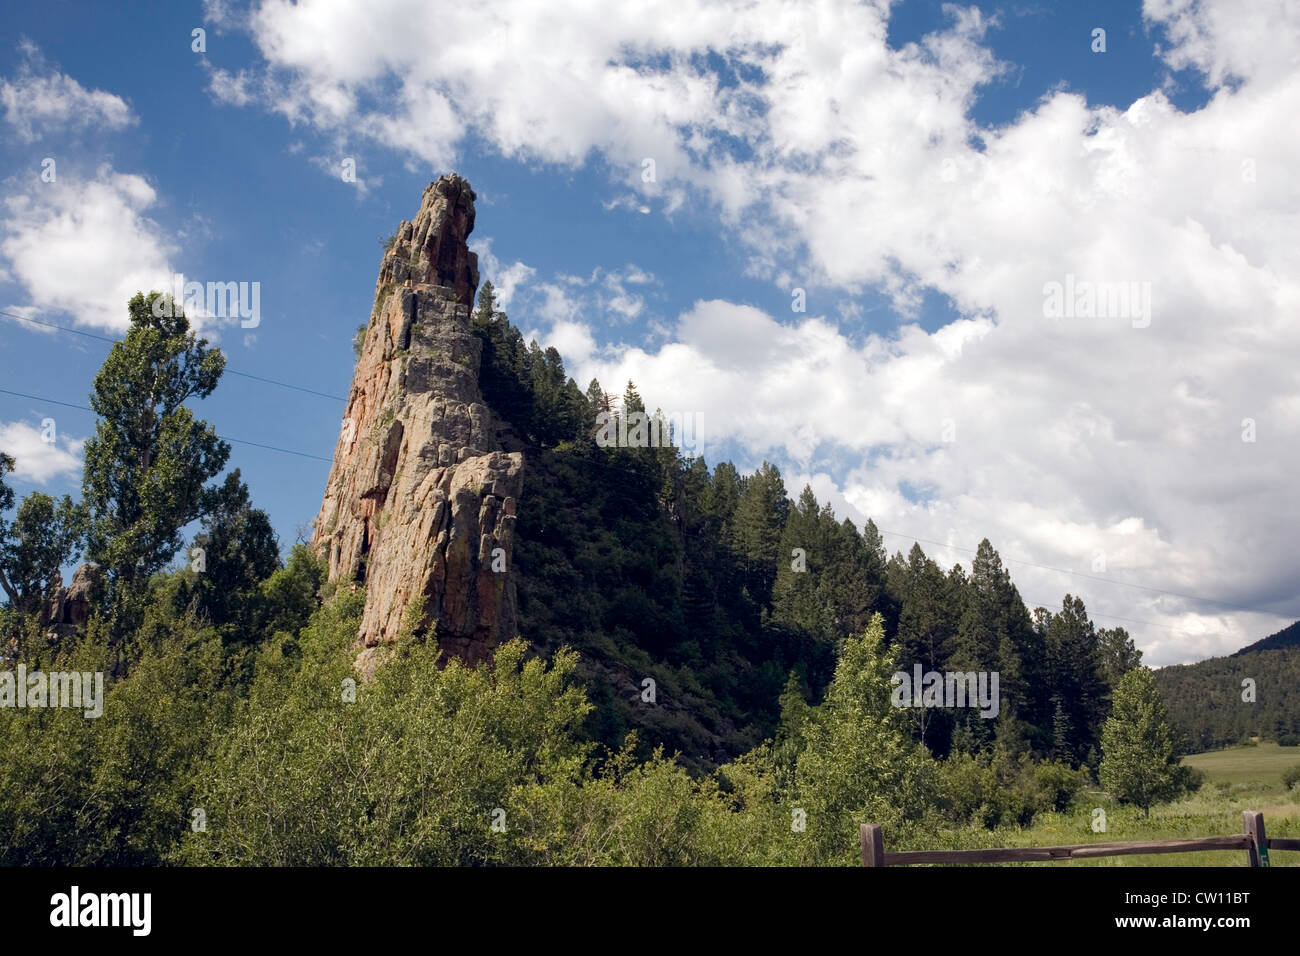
pixel 951 437
pixel 39 100
pixel 37 460
pixel 1079 442
pixel 85 247
pixel 505 279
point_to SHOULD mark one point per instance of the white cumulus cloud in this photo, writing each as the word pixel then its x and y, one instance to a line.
pixel 37 460
pixel 39 100
pixel 86 247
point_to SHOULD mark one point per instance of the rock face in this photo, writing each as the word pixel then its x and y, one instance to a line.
pixel 421 497
pixel 69 608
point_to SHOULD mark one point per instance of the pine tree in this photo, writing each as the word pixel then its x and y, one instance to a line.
pixel 756 533
pixel 240 550
pixel 1076 674
pixel 1119 654
pixel 1062 736
pixel 802 557
pixel 852 584
pixel 722 499
pixel 486 314
pixel 925 633
pixel 632 401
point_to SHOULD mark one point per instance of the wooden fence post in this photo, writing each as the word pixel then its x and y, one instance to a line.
pixel 1257 852
pixel 873 845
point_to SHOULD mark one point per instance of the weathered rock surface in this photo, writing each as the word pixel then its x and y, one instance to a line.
pixel 69 607
pixel 421 497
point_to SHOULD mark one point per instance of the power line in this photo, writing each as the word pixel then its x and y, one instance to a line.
pixel 61 328
pixel 105 338
pixel 237 441
pixel 1111 617
pixel 287 451
pixel 48 401
pixel 297 388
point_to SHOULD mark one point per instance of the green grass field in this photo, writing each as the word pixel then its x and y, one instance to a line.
pixel 1261 764
pixel 1240 778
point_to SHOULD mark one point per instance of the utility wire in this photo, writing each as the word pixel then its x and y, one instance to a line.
pixel 237 441
pixel 105 338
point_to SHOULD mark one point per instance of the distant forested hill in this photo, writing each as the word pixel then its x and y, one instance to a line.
pixel 1287 637
pixel 1205 699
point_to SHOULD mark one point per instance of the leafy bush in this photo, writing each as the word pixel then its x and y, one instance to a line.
pixel 1291 777
pixel 993 788
pixel 418 769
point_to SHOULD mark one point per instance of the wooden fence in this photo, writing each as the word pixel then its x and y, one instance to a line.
pixel 1252 840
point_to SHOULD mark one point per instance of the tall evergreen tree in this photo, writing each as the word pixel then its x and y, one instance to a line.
pixel 925 633
pixel 1119 654
pixel 721 499
pixel 1076 674
pixel 802 557
pixel 239 550
pixel 485 315
pixel 756 533
pixel 7 464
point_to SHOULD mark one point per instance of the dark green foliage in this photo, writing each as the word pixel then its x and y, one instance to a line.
pixel 7 493
pixel 716 585
pixel 1074 667
pixel 994 788
pixel 605 569
pixel 236 550
pixel 114 790
pixel 1287 637
pixel 1207 701
pixel 291 594
pixel 1118 654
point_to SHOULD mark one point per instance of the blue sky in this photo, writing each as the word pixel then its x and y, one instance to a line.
pixel 225 165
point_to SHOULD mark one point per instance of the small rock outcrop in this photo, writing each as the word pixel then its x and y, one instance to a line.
pixel 420 503
pixel 68 608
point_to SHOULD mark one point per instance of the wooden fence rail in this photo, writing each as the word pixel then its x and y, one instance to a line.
pixel 1252 840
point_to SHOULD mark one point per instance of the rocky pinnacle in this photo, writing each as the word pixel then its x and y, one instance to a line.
pixel 420 501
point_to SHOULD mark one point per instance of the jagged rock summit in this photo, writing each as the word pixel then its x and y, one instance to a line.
pixel 421 496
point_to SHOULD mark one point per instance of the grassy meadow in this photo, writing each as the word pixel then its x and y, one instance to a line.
pixel 1237 779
